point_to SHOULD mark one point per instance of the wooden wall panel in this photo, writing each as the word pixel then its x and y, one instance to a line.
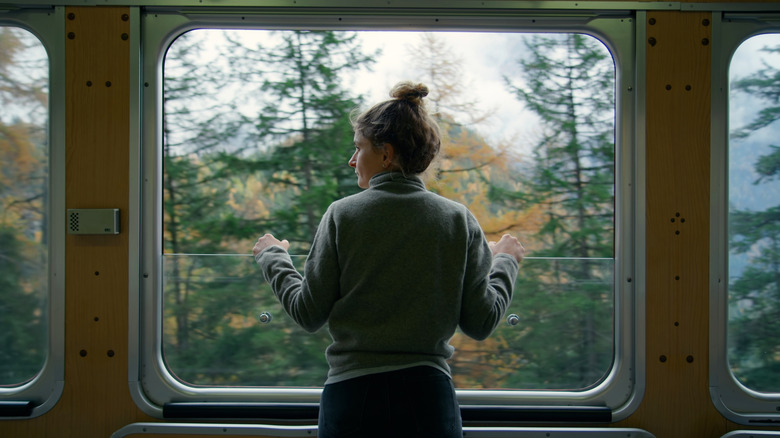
pixel 96 400
pixel 677 401
pixel 97 169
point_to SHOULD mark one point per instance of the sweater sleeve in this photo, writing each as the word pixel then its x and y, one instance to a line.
pixel 309 298
pixel 488 285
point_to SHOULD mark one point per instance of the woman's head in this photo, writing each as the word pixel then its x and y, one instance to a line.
pixel 403 123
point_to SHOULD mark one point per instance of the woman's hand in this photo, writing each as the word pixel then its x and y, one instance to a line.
pixel 508 245
pixel 269 240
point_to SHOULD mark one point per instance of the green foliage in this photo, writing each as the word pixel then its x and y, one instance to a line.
pixel 23 206
pixel 568 82
pixel 284 160
pixel 287 132
pixel 22 316
pixel 754 295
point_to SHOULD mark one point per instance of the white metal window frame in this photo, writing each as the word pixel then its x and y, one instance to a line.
pixel 151 383
pixel 45 389
pixel 735 401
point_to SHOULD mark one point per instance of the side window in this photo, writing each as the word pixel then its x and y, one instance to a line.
pixel 257 140
pixel 745 265
pixel 250 134
pixel 24 190
pixel 754 215
pixel 31 236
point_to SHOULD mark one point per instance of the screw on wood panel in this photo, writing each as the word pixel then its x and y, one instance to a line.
pixel 89 83
pixel 71 35
pixel 651 21
pixel 687 88
pixel 110 353
pixel 668 87
pixel 83 353
pixel 705 22
pixel 705 41
pixel 125 37
pixel 662 358
pixel 125 17
pixel 108 83
pixel 651 41
pixel 71 16
pixel 689 359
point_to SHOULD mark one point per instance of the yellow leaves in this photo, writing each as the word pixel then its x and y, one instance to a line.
pixel 466 170
pixel 22 168
pixel 480 364
pixel 237 321
pixel 18 153
pixel 249 198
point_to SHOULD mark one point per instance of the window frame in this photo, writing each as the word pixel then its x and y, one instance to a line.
pixel 733 400
pixel 40 394
pixel 620 392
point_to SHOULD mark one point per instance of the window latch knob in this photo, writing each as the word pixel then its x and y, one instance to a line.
pixel 512 319
pixel 265 317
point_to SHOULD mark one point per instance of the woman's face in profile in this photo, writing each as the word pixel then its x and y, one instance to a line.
pixel 367 160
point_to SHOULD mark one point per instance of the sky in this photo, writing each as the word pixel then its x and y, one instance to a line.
pixel 743 109
pixel 485 57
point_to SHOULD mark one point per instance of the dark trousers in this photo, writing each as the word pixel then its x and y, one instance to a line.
pixel 413 402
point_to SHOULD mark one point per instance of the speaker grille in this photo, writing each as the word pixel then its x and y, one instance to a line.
pixel 73 221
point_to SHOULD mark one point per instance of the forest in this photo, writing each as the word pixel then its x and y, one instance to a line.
pixel 273 156
pixel 256 139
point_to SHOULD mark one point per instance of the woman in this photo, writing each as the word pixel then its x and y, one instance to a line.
pixel 394 270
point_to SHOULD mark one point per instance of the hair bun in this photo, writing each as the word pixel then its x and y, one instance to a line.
pixel 407 90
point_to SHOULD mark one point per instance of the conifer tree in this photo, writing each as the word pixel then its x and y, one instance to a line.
pixel 268 112
pixel 568 81
pixel 302 132
pixel 754 234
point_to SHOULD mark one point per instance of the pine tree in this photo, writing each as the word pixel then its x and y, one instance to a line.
pixel 302 132
pixel 195 130
pixel 267 113
pixel 754 295
pixel 568 82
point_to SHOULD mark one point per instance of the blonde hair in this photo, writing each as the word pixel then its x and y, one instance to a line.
pixel 404 122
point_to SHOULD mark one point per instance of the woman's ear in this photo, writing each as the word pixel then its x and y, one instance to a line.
pixel 389 155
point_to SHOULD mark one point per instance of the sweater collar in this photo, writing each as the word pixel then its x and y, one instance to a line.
pixel 396 177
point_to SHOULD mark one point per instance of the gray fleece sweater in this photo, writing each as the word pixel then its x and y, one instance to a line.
pixel 394 270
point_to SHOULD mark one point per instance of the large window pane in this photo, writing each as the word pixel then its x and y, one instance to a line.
pixel 754 214
pixel 24 288
pixel 256 139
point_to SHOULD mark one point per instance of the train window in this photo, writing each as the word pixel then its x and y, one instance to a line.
pixel 252 136
pixel 745 347
pixel 24 286
pixel 31 318
pixel 754 215
pixel 257 140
